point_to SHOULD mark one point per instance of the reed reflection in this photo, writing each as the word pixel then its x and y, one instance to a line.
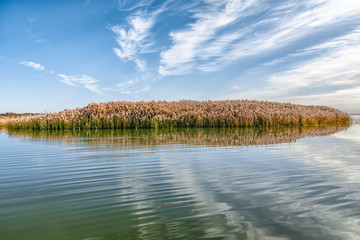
pixel 216 137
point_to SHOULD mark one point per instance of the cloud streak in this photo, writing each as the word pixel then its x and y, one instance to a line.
pixel 124 86
pixel 188 44
pixel 129 5
pixel 33 65
pixel 134 41
pixel 82 81
pixel 218 37
pixel 334 72
pixel 71 80
pixel 336 65
pixel 127 87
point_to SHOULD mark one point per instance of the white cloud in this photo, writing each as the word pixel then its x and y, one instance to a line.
pixel 133 86
pixel 340 65
pixel 134 41
pixel 210 43
pixel 140 65
pixel 39 40
pixel 34 65
pixel 347 99
pixel 82 81
pixel 336 67
pixel 79 81
pixel 124 86
pixel 188 45
pixel 348 40
pixel 130 5
pixel 298 24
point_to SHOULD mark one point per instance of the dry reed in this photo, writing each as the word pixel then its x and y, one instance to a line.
pixel 6 117
pixel 186 113
pixel 3 123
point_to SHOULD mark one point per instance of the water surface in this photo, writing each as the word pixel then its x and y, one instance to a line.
pixel 181 184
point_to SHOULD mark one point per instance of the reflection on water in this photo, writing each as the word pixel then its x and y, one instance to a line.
pixel 188 136
pixel 181 184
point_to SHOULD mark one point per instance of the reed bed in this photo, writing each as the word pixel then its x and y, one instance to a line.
pixel 180 114
pixel 3 123
pixel 6 117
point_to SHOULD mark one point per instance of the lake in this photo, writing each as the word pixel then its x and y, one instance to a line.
pixel 181 184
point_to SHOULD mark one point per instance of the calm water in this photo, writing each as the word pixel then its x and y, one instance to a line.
pixel 183 184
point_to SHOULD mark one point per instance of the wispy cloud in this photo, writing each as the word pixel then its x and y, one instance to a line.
pixel 345 99
pixel 33 36
pixel 128 87
pixel 330 78
pixel 124 86
pixel 338 64
pixel 330 45
pixel 71 80
pixel 130 5
pixel 188 45
pixel 81 80
pixel 135 40
pixel 219 37
pixel 34 65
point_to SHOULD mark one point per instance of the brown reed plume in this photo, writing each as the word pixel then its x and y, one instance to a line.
pixel 185 113
pixel 6 117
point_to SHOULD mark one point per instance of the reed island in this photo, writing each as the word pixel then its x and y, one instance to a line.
pixel 180 114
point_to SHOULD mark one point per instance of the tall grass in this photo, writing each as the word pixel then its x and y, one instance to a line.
pixel 163 114
pixel 9 116
pixel 3 123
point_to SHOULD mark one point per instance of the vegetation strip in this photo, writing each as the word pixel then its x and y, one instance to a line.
pixel 186 113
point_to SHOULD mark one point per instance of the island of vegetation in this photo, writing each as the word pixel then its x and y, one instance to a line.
pixel 180 114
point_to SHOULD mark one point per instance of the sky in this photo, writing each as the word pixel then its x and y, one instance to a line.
pixel 57 55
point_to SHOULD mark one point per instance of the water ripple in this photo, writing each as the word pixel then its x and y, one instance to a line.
pixel 191 184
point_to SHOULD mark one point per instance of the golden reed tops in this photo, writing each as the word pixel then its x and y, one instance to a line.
pixel 185 113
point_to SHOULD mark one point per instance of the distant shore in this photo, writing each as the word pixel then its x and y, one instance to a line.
pixel 179 114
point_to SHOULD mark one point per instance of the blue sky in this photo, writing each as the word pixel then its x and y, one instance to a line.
pixel 65 54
